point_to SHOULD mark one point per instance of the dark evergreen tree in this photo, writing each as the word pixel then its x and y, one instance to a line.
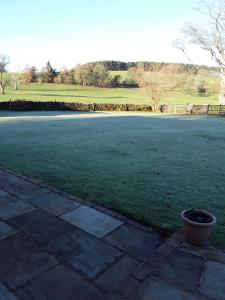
pixel 49 73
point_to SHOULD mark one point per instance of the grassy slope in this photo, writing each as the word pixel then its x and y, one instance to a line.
pixel 73 93
pixel 149 167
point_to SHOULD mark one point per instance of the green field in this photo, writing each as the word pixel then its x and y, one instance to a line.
pixel 148 167
pixel 74 93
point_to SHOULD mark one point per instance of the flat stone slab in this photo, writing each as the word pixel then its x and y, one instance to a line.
pixel 92 221
pixel 54 203
pixel 3 193
pixel 7 179
pixel 5 294
pixel 11 206
pixel 117 275
pixel 26 190
pixel 40 225
pixel 134 241
pixel 57 284
pixel 156 290
pixel 87 254
pixel 114 296
pixel 6 231
pixel 21 259
pixel 183 271
pixel 208 252
pixel 213 283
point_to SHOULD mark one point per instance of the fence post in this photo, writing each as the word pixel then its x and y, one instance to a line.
pixel 175 109
pixel 208 109
pixel 10 104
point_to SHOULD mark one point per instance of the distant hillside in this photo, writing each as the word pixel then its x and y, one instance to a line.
pixel 114 65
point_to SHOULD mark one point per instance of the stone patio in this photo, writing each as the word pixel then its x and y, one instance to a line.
pixel 54 245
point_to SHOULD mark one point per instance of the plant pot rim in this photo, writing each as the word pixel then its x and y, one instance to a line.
pixel 186 220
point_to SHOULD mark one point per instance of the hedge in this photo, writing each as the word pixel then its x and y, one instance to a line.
pixel 24 105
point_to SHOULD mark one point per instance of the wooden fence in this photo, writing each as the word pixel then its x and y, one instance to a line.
pixel 216 110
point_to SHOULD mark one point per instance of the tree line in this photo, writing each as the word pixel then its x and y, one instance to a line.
pixel 97 74
pixel 114 65
pixel 87 75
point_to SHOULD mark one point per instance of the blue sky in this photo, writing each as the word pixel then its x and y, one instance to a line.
pixel 68 32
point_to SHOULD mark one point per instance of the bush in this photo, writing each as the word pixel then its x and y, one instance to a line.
pixel 115 81
pixel 92 75
pixel 133 107
pixel 110 107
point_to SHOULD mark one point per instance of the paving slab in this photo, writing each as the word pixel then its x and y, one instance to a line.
pixel 25 190
pixel 11 206
pixel 117 275
pixel 40 225
pixel 3 193
pixel 5 294
pixel 57 284
pixel 207 251
pixel 92 221
pixel 7 179
pixel 87 254
pixel 142 271
pixel 6 231
pixel 54 203
pixel 21 259
pixel 135 241
pixel 183 271
pixel 156 290
pixel 114 296
pixel 213 283
pixel 128 286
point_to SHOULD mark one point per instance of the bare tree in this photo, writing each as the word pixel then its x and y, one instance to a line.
pixel 15 79
pixel 4 62
pixel 155 84
pixel 209 37
pixel 180 44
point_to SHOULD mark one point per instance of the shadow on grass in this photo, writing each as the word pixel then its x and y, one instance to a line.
pixel 36 89
pixel 31 114
pixel 81 96
pixel 103 114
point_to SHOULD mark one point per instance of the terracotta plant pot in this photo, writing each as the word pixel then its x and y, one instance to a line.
pixel 197 226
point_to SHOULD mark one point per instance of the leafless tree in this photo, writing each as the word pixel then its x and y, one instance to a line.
pixel 4 62
pixel 15 79
pixel 155 84
pixel 210 37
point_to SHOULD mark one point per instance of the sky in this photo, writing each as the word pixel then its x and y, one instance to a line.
pixel 68 32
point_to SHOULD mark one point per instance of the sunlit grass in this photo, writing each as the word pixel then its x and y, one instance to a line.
pixel 74 93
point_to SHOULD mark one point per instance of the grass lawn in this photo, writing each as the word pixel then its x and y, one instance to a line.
pixel 74 93
pixel 148 166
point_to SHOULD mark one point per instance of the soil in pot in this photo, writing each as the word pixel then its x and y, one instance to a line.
pixel 197 216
